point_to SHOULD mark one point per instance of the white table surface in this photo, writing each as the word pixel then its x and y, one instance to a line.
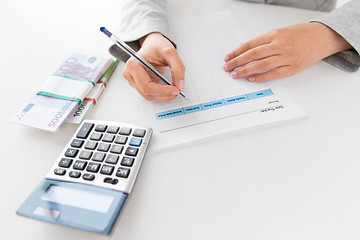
pixel 298 180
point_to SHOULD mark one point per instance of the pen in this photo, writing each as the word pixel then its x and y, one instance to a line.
pixel 131 52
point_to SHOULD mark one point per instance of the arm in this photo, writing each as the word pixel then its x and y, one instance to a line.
pixel 318 5
pixel 286 51
pixel 139 18
pixel 345 21
pixel 145 21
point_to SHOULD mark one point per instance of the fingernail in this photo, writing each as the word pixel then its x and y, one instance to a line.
pixel 182 85
pixel 226 67
pixel 227 58
pixel 175 93
pixel 251 78
pixel 234 74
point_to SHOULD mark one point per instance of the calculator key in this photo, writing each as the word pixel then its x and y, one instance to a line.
pixel 98 156
pixel 91 145
pixel 125 131
pixel 113 129
pixel 127 161
pixel 96 136
pixel 77 143
pixel 106 169
pixel 100 128
pixel 79 165
pixel 108 138
pixel 111 158
pixel 85 130
pixel 116 149
pixel 85 154
pixel 88 176
pixel 74 174
pixel 93 167
pixel 65 162
pixel 131 151
pixel 135 142
pixel 139 132
pixel 121 139
pixel 71 152
pixel 123 172
pixel 59 171
pixel 111 180
pixel 104 147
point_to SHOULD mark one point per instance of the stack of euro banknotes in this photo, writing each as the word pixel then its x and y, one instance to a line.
pixel 49 110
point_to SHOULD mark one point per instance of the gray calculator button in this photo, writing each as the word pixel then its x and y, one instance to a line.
pixel 131 151
pixel 127 161
pixel 88 176
pixel 71 152
pixel 139 132
pixel 65 162
pixel 74 174
pixel 85 130
pixel 104 147
pixel 111 158
pixel 77 143
pixel 108 138
pixel 91 145
pixel 125 131
pixel 116 149
pixel 111 180
pixel 96 136
pixel 79 165
pixel 106 169
pixel 59 171
pixel 100 128
pixel 98 156
pixel 123 172
pixel 85 154
pixel 93 167
pixel 113 129
pixel 121 139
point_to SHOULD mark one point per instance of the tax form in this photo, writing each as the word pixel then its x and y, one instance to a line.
pixel 216 103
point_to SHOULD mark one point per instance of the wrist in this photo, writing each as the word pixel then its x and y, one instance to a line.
pixel 150 35
pixel 327 39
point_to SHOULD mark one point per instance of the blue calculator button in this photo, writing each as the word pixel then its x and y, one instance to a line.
pixel 135 142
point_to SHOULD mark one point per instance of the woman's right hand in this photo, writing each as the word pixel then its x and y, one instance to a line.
pixel 159 52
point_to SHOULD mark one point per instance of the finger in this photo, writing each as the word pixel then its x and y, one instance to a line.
pixel 280 72
pixel 157 98
pixel 260 40
pixel 249 56
pixel 177 68
pixel 145 86
pixel 132 83
pixel 258 67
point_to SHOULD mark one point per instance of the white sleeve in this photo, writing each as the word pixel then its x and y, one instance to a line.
pixel 141 17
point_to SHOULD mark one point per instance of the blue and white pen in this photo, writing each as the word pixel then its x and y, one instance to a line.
pixel 131 52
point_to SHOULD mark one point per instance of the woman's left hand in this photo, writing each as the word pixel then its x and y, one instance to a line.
pixel 284 52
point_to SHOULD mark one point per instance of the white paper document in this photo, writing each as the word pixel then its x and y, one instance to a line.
pixel 216 103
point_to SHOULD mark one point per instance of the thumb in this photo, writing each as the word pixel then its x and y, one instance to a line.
pixel 177 69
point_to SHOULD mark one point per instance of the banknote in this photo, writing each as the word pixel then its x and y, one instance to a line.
pixel 84 67
pixel 91 99
pixel 45 113
pixel 47 109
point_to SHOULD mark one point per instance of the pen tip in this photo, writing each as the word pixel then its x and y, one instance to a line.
pixel 102 29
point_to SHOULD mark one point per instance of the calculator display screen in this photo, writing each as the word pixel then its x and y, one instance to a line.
pixel 78 198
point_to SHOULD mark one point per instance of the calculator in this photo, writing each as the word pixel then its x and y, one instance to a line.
pixel 92 178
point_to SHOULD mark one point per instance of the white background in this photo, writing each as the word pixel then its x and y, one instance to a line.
pixel 298 180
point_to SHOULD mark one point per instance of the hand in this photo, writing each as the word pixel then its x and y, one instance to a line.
pixel 283 52
pixel 160 53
